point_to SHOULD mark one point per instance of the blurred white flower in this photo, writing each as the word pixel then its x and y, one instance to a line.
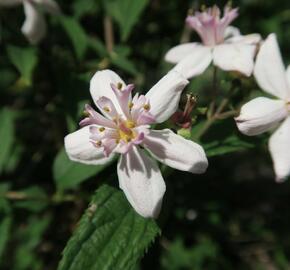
pixel 34 26
pixel 262 114
pixel 124 128
pixel 221 44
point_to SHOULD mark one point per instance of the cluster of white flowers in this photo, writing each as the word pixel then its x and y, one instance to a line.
pixel 123 126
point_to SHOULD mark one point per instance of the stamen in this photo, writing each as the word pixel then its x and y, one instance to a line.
pixel 106 109
pixel 130 105
pixel 203 8
pixel 130 124
pixel 190 12
pixel 146 107
pixel 98 143
pixel 102 129
pixel 86 114
pixel 119 85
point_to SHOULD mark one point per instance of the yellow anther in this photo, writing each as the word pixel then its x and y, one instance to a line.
pixel 203 8
pixel 130 124
pixel 106 109
pixel 130 105
pixel 146 107
pixel 101 129
pixel 86 114
pixel 98 143
pixel 119 85
pixel 190 12
pixel 229 4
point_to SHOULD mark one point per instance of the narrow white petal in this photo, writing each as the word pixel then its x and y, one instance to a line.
pixel 10 3
pixel 50 6
pixel 165 95
pixel 175 151
pixel 269 69
pixel 34 27
pixel 100 85
pixel 260 115
pixel 80 149
pixel 142 182
pixel 195 63
pixel 246 39
pixel 235 57
pixel 279 146
pixel 177 53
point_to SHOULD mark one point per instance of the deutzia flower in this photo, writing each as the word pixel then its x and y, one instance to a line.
pixel 262 114
pixel 221 44
pixel 124 128
pixel 34 26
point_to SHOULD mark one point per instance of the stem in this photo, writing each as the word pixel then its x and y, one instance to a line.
pixel 214 84
pixel 54 199
pixel 109 33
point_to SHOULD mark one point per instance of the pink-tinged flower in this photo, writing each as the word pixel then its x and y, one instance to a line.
pixel 221 44
pixel 262 114
pixel 34 26
pixel 124 128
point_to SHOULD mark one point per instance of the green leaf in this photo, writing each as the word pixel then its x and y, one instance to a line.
pixel 124 64
pixel 126 13
pixel 7 135
pixel 227 145
pixel 111 235
pixel 5 226
pixel 24 59
pixel 68 174
pixel 76 34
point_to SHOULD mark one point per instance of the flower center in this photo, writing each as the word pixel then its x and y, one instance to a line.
pixel 126 132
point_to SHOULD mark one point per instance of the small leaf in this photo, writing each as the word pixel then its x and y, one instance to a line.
pixel 68 174
pixel 76 34
pixel 7 135
pixel 228 145
pixel 24 59
pixel 111 235
pixel 126 13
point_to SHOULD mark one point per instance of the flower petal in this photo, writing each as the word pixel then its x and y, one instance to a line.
pixel 260 115
pixel 80 149
pixel 231 31
pixel 175 151
pixel 177 53
pixel 269 69
pixel 50 6
pixel 34 27
pixel 165 95
pixel 288 76
pixel 142 182
pixel 235 57
pixel 247 39
pixel 100 85
pixel 279 146
pixel 195 63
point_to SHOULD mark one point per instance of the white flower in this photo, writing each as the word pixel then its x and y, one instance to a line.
pixel 34 26
pixel 262 114
pixel 221 44
pixel 124 129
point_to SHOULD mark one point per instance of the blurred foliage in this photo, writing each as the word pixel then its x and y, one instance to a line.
pixel 233 217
